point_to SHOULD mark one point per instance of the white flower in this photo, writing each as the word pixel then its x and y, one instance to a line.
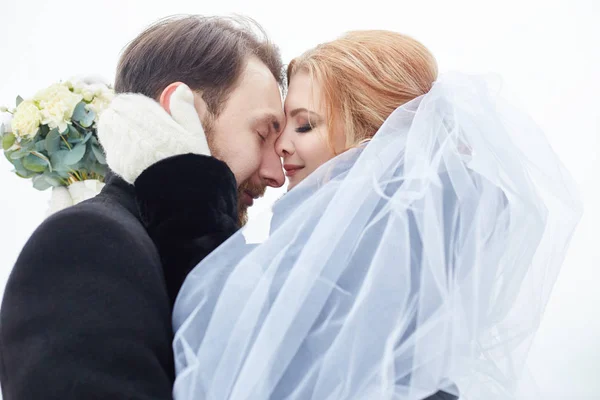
pixel 101 101
pixel 26 120
pixel 88 94
pixel 70 85
pixel 79 87
pixel 57 104
pixel 102 90
pixel 53 115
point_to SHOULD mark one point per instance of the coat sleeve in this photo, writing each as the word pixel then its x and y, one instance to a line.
pixel 85 314
pixel 189 206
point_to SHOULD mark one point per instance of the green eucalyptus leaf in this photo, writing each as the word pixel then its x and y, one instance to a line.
pixel 61 174
pixel 87 137
pixel 53 179
pixel 20 169
pixel 73 131
pixel 75 155
pixel 43 156
pixel 57 159
pixel 34 163
pixel 99 154
pixel 8 139
pixel 28 144
pixel 88 120
pixel 17 154
pixel 77 166
pixel 89 153
pixel 99 169
pixel 40 182
pixel 17 164
pixel 40 145
pixel 83 116
pixel 25 174
pixel 19 100
pixel 52 141
pixel 74 135
pixel 79 112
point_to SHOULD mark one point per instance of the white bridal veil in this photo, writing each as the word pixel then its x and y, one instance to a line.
pixel 421 261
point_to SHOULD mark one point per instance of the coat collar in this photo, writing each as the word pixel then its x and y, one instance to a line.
pixel 124 193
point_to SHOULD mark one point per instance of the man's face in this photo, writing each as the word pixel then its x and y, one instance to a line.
pixel 244 134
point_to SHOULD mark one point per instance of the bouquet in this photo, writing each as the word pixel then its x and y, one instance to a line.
pixel 52 140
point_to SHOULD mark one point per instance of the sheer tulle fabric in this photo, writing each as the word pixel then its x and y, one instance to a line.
pixel 421 261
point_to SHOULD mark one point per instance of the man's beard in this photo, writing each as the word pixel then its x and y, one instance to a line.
pixel 254 190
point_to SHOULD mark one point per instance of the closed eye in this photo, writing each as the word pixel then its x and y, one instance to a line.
pixel 304 128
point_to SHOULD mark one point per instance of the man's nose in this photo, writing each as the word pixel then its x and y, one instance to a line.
pixel 271 171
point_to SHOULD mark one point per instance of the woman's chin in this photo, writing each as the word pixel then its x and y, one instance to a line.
pixel 293 182
pixel 295 179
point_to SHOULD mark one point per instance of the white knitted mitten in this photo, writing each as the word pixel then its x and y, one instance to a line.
pixel 136 132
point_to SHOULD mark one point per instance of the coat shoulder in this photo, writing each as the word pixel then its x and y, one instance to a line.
pixel 96 232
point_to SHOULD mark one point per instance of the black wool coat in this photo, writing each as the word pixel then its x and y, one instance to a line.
pixel 86 312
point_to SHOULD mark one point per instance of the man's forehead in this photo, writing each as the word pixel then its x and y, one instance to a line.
pixel 259 95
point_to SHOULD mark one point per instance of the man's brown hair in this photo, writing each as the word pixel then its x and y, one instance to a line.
pixel 205 53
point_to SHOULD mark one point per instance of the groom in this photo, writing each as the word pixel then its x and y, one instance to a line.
pixel 87 309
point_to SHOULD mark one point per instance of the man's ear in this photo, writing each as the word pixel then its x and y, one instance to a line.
pixel 165 99
pixel 165 96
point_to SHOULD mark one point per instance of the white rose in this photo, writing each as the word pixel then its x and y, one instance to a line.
pixel 26 120
pixel 82 88
pixel 101 89
pixel 53 115
pixel 100 103
pixel 88 94
pixel 58 95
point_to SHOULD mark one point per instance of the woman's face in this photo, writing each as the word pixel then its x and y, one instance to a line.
pixel 303 144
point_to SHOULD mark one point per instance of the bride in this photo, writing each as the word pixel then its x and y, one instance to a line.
pixel 413 255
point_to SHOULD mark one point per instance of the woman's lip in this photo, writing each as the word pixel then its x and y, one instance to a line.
pixel 292 172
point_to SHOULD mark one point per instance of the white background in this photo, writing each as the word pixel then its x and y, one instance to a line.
pixel 547 51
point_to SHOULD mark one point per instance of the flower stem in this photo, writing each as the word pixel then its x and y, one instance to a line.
pixel 67 143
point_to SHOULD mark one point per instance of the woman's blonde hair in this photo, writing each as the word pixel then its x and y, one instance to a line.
pixel 365 76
